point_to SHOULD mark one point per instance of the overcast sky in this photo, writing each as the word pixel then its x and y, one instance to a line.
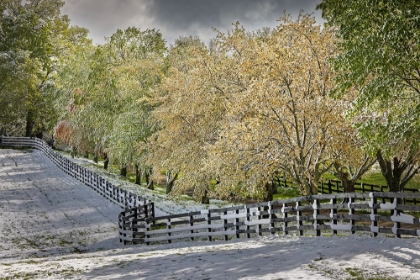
pixel 175 18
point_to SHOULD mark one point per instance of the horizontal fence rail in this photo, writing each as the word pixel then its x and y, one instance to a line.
pixel 125 199
pixel 385 213
pixel 335 186
pixel 324 214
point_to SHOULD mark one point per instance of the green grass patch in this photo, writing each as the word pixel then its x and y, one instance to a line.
pixel 160 189
pixel 374 178
pixel 354 272
pixel 286 193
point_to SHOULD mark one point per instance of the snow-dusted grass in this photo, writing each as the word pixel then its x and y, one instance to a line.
pixel 54 227
pixel 163 205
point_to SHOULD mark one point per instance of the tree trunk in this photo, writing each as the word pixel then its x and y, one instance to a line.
pixel 138 175
pixel 73 152
pixel 106 161
pixel 147 173
pixel 147 177
pixel 205 199
pixel 123 171
pixel 170 181
pixel 275 187
pixel 269 191
pixel 151 185
pixel 348 185
pixel 269 187
pixel 29 123
pixel 95 159
pixel 313 188
pixel 346 182
pixel 275 182
pixel 307 187
pixel 392 171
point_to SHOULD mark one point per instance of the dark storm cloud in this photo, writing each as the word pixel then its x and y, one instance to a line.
pixel 205 13
pixel 191 17
pixel 176 18
pixel 104 17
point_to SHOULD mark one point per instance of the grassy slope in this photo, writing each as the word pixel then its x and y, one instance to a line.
pixel 373 177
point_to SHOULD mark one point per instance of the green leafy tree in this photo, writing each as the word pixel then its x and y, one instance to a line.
pixel 111 96
pixel 35 44
pixel 379 57
pixel 190 107
pixel 137 67
pixel 27 61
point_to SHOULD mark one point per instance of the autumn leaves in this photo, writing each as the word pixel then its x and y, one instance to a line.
pixel 251 107
pixel 222 120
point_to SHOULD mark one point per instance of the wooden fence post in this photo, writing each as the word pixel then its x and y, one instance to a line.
pixel 248 234
pixel 209 223
pixel 374 212
pixel 270 216
pixel 285 223
pixel 152 204
pixel 225 225
pixel 237 224
pixel 397 225
pixel 191 225
pixel 134 224
pixel 334 213
pixel 299 218
pixel 146 220
pixel 315 206
pixel 169 226
pixel 351 213
pixel 122 226
pixel 259 226
pixel 382 190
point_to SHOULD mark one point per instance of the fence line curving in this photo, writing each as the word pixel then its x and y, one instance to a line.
pixel 385 213
pixel 136 207
pixel 324 214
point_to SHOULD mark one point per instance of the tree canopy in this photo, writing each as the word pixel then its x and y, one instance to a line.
pixel 32 35
pixel 379 51
pixel 228 118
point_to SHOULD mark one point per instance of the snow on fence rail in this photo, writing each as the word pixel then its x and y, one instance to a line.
pixel 312 215
pixel 119 196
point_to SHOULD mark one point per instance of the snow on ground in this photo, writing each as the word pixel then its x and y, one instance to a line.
pixel 54 227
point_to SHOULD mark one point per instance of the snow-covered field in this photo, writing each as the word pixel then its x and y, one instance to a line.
pixel 54 227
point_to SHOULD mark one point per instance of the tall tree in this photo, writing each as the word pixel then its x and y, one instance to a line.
pixel 137 67
pixel 191 107
pixel 351 161
pixel 27 60
pixel 379 56
pixel 280 116
pixel 112 108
